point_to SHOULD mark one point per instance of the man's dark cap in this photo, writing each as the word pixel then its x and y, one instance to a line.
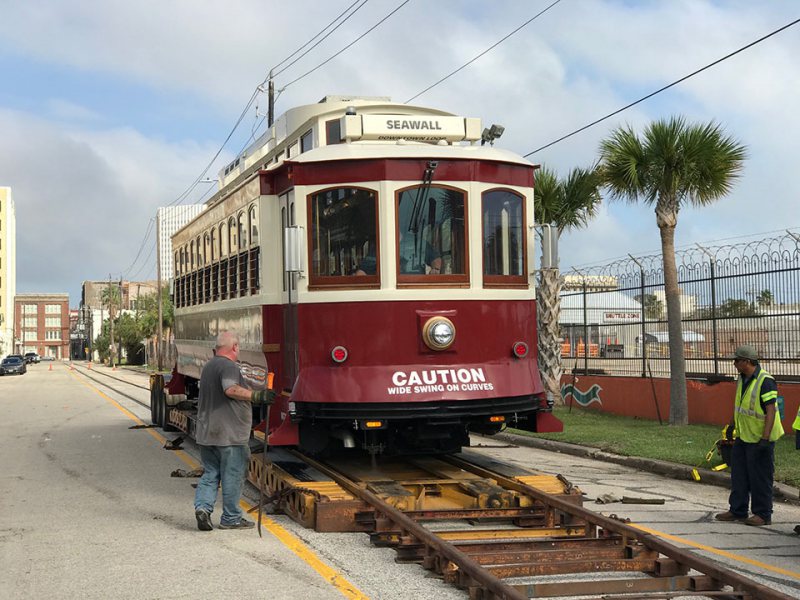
pixel 746 352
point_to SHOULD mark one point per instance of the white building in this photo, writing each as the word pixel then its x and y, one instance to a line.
pixel 8 269
pixel 169 220
pixel 612 322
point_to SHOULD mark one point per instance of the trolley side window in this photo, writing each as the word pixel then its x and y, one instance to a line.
pixel 431 237
pixel 333 132
pixel 343 225
pixel 504 248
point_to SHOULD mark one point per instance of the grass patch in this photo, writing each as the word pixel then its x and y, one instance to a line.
pixel 686 445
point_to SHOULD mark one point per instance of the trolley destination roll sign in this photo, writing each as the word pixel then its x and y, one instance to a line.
pixel 422 128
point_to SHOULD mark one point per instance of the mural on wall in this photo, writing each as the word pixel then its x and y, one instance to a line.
pixel 582 398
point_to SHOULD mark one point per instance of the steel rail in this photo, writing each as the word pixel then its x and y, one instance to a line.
pixel 466 565
pixel 722 574
pixel 144 387
pixel 109 386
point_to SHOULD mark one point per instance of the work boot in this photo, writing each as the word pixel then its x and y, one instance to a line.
pixel 756 521
pixel 203 520
pixel 728 516
pixel 241 524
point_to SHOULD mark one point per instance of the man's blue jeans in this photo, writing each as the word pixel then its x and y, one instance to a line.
pixel 226 465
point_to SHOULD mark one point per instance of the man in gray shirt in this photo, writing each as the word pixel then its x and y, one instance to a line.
pixel 224 421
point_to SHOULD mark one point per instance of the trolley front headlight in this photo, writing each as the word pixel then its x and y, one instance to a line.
pixel 439 333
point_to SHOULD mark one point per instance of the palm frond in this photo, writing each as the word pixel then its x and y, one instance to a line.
pixel 569 203
pixel 623 164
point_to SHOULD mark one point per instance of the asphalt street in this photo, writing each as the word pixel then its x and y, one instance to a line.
pixel 89 510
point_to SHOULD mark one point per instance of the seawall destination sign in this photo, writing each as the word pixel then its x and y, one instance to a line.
pixel 423 128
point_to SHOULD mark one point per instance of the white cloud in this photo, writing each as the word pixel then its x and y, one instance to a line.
pixel 64 110
pixel 83 199
pixel 580 61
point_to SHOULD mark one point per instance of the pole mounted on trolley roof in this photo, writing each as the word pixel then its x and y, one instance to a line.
pixel 271 100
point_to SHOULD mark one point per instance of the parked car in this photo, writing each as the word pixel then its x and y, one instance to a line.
pixel 12 365
pixel 32 357
pixel 48 357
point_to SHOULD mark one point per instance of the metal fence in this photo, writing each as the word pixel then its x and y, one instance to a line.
pixel 613 317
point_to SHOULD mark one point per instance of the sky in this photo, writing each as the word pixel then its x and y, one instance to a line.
pixel 110 109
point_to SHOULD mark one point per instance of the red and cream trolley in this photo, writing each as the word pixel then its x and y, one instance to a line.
pixel 377 258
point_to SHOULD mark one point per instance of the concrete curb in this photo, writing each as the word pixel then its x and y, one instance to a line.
pixel 782 492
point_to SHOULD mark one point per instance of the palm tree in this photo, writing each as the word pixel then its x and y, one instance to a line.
pixel 673 164
pixel 566 204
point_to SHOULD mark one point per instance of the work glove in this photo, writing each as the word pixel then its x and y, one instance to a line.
pixel 762 443
pixel 262 397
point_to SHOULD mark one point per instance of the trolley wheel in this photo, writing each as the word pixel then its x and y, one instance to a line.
pixel 165 425
pixel 155 410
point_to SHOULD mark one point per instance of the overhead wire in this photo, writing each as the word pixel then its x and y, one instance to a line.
pixel 322 39
pixel 181 197
pixel 316 35
pixel 150 224
pixel 185 194
pixel 359 38
pixel 489 49
pixel 666 87
pixel 144 263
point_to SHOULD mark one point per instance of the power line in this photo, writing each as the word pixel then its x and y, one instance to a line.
pixel 326 61
pixel 144 263
pixel 489 49
pixel 666 87
pixel 218 152
pixel 150 224
pixel 363 2
pixel 185 194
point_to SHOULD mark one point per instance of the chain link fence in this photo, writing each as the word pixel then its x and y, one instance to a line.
pixel 613 317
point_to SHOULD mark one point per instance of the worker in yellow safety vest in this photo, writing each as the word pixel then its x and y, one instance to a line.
pixel 757 422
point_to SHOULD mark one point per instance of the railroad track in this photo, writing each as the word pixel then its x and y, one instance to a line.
pixel 90 374
pixel 510 546
pixel 553 536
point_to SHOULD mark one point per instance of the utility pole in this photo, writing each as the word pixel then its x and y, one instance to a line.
pixel 111 322
pixel 159 359
pixel 119 346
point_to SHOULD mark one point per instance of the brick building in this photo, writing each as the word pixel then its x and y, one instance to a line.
pixel 41 324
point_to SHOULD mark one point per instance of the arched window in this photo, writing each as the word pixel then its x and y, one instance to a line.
pixel 504 243
pixel 233 245
pixel 191 255
pixel 214 244
pixel 199 252
pixel 343 226
pixel 431 236
pixel 241 219
pixel 223 240
pixel 179 268
pixel 252 219
pixel 207 257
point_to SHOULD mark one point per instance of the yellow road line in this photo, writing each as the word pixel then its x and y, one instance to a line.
pixel 719 552
pixel 288 539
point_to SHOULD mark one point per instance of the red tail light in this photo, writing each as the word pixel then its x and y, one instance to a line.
pixel 339 354
pixel 520 349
